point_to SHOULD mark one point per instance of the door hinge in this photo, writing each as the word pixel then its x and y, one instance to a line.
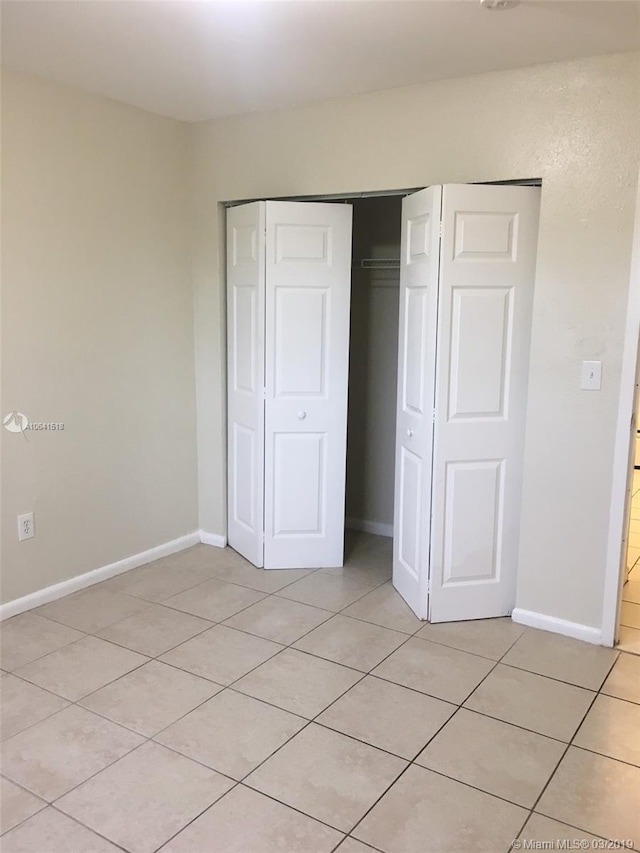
pixel 433 416
pixel 440 228
pixel 264 393
pixel 429 587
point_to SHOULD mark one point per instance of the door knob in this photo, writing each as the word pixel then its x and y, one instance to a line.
pixel 409 432
pixel 302 416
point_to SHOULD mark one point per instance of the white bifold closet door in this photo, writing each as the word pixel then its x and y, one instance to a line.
pixel 466 303
pixel 245 379
pixel 287 449
pixel 419 260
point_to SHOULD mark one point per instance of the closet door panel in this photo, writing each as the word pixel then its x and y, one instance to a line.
pixel 489 243
pixel 245 379
pixel 416 372
pixel 299 457
pixel 300 336
pixel 308 278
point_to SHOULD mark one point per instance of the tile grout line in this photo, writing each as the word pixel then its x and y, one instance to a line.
pixel 314 719
pixel 151 738
pixel 460 706
pixel 413 763
pixel 564 754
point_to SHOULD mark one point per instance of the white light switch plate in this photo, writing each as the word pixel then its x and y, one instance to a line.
pixel 591 376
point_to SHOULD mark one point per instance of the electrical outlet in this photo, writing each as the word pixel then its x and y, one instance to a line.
pixel 26 529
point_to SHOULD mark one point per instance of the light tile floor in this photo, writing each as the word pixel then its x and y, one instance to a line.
pixel 199 705
pixel 629 630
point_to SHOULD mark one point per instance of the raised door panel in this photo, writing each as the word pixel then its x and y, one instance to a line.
pixel 300 457
pixel 243 464
pixel 473 515
pixel 416 340
pixel 301 341
pixel 410 512
pixel 244 338
pixel 481 338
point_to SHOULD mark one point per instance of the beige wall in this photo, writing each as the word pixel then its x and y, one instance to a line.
pixel 97 331
pixel 575 125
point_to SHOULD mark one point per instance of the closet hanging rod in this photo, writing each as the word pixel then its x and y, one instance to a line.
pixel 377 263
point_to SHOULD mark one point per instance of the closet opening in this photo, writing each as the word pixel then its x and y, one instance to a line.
pixel 377 361
pixel 373 373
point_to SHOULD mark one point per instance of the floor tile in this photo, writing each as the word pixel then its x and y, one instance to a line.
pixel 52 757
pixel 92 609
pixel 388 716
pixel 536 703
pixel 633 553
pixel 235 569
pixel 427 813
pixel 157 581
pixel 232 733
pixel 597 794
pixel 489 638
pixel 24 704
pixel 327 776
pixel 368 571
pixel 199 556
pixel 494 756
pixel 154 630
pixel 222 654
pixel 80 668
pixel 384 606
pixel 52 832
pixel 27 637
pixel 434 669
pixel 350 845
pixel 244 821
pixel 543 829
pixel 215 600
pixel 147 803
pixel 325 591
pixel 358 542
pixel 573 661
pixel 629 640
pixel 634 574
pixel 298 682
pixel 624 679
pixel 631 592
pixel 351 642
pixel 279 619
pixel 16 805
pixel 612 727
pixel 630 614
pixel 150 698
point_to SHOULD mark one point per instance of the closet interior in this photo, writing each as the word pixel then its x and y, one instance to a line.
pixel 373 364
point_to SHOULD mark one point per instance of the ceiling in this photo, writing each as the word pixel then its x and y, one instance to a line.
pixel 197 59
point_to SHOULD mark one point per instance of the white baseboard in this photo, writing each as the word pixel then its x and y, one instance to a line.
pixel 58 590
pixel 557 626
pixel 214 539
pixel 376 527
